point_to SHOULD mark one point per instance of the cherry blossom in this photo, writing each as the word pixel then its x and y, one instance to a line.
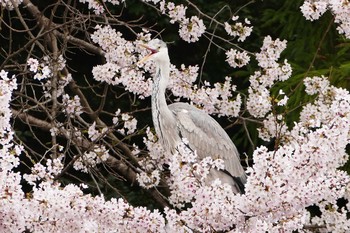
pixel 177 13
pixel 91 158
pixel 236 58
pixel 300 169
pixel 238 29
pixel 10 4
pixel 304 146
pixel 72 107
pixel 312 10
pixel 157 153
pixel 44 173
pixel 130 124
pixel 33 64
pixel 97 7
pixel 316 85
pixel 259 100
pixel 95 134
pixel 43 71
pixel 148 180
pixel 191 29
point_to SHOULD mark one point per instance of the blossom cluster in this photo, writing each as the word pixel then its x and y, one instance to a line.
pixel 91 158
pixel 10 188
pixel 96 134
pixel 316 85
pixel 182 182
pixel 238 29
pixel 216 99
pixel 156 152
pixel 120 57
pixel 51 207
pixel 191 29
pixel 236 58
pixel 43 71
pixel 72 107
pixel 10 4
pixel 120 69
pixel 98 7
pixel 273 127
pixel 130 124
pixel 312 10
pixel 8 151
pixel 303 171
pixel 259 100
pixel 153 164
pixel 40 172
pixel 148 179
pixel 177 13
pixel 214 208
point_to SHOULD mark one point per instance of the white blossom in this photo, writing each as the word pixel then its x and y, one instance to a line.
pixel 10 4
pixel 72 107
pixel 236 58
pixel 312 10
pixel 316 85
pixel 259 100
pixel 238 29
pixel 148 180
pixel 91 158
pixel 283 101
pixel 97 7
pixel 177 13
pixel 33 64
pixel 191 29
pixel 95 134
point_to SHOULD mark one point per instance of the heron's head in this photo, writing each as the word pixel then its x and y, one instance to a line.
pixel 158 51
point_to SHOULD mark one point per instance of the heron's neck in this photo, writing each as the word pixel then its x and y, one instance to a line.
pixel 160 82
pixel 160 109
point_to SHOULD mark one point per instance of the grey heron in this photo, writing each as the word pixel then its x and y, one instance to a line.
pixel 179 120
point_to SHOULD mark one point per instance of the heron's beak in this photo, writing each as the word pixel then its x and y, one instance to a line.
pixel 153 51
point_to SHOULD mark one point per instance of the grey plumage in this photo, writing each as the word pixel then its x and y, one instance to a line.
pixel 181 120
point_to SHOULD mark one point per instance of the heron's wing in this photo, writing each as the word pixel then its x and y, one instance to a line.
pixel 207 137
